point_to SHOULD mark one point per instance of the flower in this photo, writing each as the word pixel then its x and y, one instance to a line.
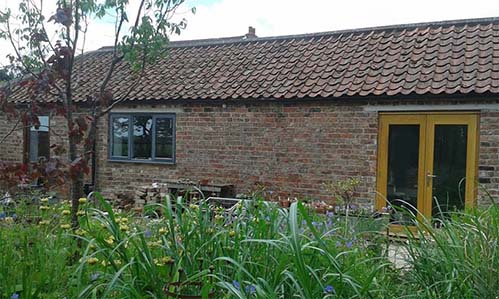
pixel 329 289
pixel 82 200
pixel 80 213
pixel 193 207
pixel 92 261
pixel 80 232
pixel 94 276
pixel 110 240
pixel 44 200
pixel 163 230
pixel 147 234
pixel 236 284
pixel 66 212
pixel 250 289
pixel 124 227
pixel 44 222
pixel 44 208
pixel 349 244
pixel 9 219
pixel 232 233
pixel 219 217
pixel 65 226
pixel 14 296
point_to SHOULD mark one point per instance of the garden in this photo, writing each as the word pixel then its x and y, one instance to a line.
pixel 254 249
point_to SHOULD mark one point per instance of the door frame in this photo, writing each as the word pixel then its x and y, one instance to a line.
pixel 427 122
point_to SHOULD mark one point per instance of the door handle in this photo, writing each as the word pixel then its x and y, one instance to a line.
pixel 429 177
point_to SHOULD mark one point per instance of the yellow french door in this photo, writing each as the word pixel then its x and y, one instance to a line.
pixel 427 163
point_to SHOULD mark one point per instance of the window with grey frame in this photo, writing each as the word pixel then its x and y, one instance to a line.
pixel 141 137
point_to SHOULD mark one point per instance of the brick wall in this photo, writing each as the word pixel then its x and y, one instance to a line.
pixel 293 148
pixel 11 149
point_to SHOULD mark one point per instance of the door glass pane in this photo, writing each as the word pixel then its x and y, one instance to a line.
pixel 449 168
pixel 120 137
pixel 402 176
pixel 164 138
pixel 142 137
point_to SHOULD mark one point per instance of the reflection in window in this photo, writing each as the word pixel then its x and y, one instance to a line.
pixel 164 138
pixel 120 136
pixel 143 137
pixel 39 143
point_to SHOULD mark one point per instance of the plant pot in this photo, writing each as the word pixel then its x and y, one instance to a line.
pixel 173 290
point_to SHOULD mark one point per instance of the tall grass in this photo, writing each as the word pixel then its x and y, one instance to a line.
pixel 460 259
pixel 253 250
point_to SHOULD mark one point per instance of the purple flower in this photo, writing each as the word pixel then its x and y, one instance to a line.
pixel 250 289
pixel 94 276
pixel 349 244
pixel 338 243
pixel 147 234
pixel 236 284
pixel 329 214
pixel 14 296
pixel 267 218
pixel 329 289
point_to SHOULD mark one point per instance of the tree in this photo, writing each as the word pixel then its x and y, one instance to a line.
pixel 46 70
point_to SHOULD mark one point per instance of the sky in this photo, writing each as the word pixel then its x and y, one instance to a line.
pixel 221 18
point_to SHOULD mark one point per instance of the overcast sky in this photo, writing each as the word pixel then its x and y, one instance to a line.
pixel 219 18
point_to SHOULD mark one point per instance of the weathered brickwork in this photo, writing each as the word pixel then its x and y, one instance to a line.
pixel 291 147
pixel 488 165
pixel 11 149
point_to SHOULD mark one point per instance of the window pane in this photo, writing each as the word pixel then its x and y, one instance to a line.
pixel 39 143
pixel 120 137
pixel 164 138
pixel 403 162
pixel 449 168
pixel 142 137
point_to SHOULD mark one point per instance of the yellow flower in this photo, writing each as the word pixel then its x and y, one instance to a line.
pixel 44 222
pixel 82 200
pixel 9 219
pixel 124 227
pixel 80 232
pixel 163 261
pixel 123 220
pixel 117 262
pixel 219 217
pixel 65 226
pixel 163 230
pixel 193 206
pixel 91 246
pixel 210 230
pixel 44 200
pixel 105 263
pixel 92 260
pixel 80 213
pixel 66 212
pixel 232 233
pixel 110 240
pixel 44 208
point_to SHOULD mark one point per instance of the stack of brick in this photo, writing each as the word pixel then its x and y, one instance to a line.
pixel 150 194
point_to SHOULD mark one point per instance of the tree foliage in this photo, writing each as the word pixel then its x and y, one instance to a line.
pixel 45 47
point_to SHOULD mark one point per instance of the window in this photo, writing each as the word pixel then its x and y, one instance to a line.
pixel 142 137
pixel 39 143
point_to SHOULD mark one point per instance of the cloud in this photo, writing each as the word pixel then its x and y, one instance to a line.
pixel 281 17
pixel 219 18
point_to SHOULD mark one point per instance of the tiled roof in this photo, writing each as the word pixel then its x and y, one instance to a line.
pixel 454 57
